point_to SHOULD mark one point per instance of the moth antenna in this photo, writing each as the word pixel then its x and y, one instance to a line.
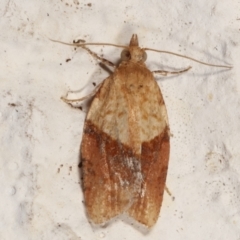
pixel 193 59
pixel 84 44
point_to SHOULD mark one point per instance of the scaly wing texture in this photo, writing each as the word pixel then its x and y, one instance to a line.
pixel 154 159
pixel 125 147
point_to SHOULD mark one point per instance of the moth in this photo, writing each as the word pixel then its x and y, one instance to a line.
pixel 126 141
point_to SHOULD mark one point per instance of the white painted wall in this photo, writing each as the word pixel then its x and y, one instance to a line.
pixel 40 135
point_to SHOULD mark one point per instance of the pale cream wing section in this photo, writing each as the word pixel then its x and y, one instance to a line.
pixel 129 107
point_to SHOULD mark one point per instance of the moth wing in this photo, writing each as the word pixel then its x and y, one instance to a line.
pixel 125 148
pixel 107 180
pixel 147 206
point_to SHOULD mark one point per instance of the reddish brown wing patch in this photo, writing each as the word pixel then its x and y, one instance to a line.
pixel 110 175
pixel 113 182
pixel 125 148
pixel 154 161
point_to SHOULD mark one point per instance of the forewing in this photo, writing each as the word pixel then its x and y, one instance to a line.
pixel 154 159
pixel 110 168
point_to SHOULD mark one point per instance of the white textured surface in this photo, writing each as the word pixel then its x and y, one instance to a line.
pixel 40 135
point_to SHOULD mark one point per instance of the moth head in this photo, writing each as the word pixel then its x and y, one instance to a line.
pixel 134 54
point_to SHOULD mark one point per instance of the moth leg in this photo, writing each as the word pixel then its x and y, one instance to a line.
pixel 169 193
pixel 70 101
pixel 102 60
pixel 165 73
pixel 167 190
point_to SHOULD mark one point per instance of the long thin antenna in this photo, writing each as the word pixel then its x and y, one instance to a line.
pixel 146 49
pixel 84 44
pixel 193 59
